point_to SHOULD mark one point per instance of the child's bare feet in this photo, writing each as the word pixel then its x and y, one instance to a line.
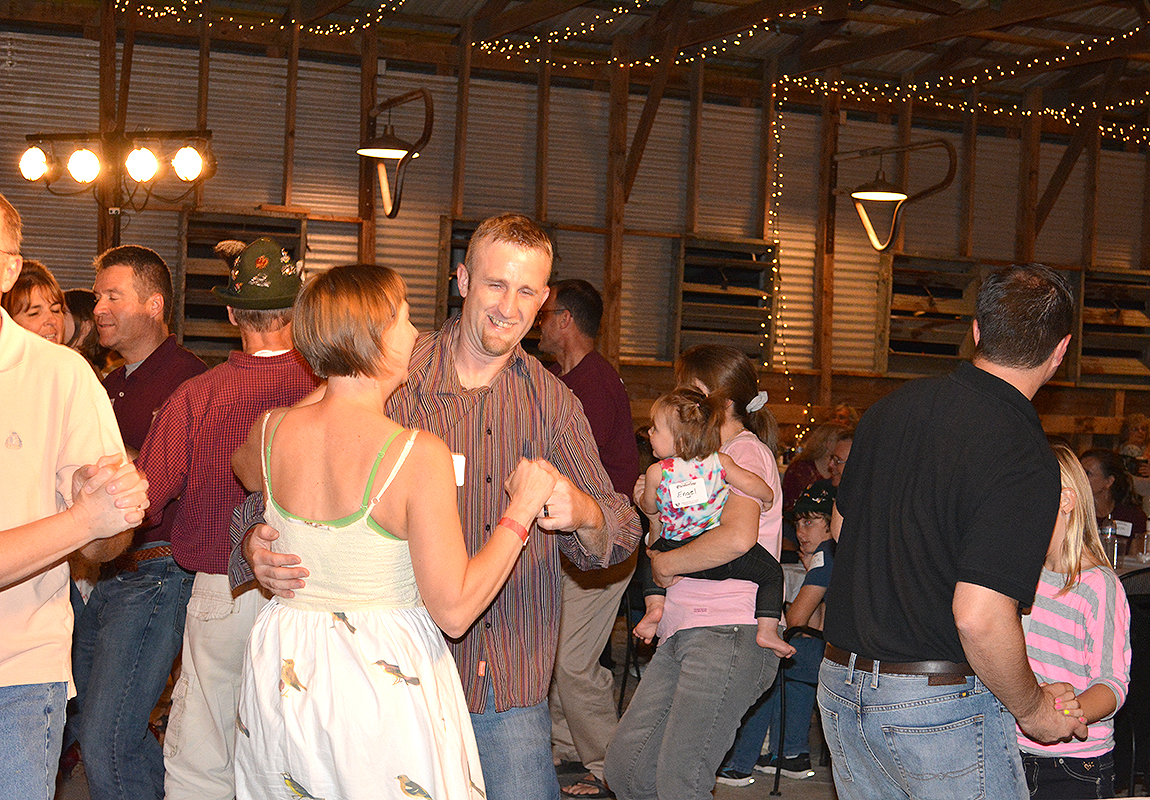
pixel 768 637
pixel 649 624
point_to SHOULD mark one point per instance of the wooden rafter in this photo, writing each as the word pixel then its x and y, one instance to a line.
pixel 1133 45
pixel 947 7
pixel 677 11
pixel 1087 130
pixel 520 17
pixel 931 31
pixel 740 19
pixel 313 10
pixel 954 54
pixel 831 21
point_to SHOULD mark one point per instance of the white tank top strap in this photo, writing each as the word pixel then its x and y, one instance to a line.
pixel 265 454
pixel 394 471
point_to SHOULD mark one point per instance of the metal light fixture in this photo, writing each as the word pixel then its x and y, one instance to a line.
pixel 142 164
pixel 389 146
pixel 882 191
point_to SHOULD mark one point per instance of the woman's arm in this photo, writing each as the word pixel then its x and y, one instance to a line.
pixel 746 481
pixel 737 533
pixel 247 459
pixel 454 588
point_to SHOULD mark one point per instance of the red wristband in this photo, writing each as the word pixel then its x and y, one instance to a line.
pixel 512 525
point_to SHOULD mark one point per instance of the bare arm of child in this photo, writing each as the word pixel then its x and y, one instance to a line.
pixel 1097 702
pixel 646 499
pixel 746 481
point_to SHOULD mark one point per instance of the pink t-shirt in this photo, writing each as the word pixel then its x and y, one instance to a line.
pixel 693 603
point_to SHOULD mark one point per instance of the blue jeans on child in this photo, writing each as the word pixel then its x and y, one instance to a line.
pixel 1057 776
pixel 802 674
pixel 515 751
pixel 897 736
pixel 31 731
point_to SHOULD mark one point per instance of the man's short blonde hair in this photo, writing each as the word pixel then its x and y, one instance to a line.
pixel 515 229
pixel 340 318
pixel 10 222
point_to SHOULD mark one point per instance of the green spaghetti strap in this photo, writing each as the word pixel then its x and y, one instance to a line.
pixel 375 468
pixel 267 447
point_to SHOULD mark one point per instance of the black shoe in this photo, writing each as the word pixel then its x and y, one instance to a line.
pixel 796 767
pixel 728 776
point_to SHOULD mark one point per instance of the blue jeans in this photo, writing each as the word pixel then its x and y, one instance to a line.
pixel 898 736
pixel 31 730
pixel 126 641
pixel 802 673
pixel 683 716
pixel 515 751
pixel 1055 777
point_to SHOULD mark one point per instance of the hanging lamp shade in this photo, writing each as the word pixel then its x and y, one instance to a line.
pixel 387 145
pixel 880 189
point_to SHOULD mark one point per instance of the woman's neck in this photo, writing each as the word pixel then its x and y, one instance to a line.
pixel 732 427
pixel 1104 505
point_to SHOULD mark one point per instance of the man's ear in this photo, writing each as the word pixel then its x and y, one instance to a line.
pixel 155 306
pixel 463 278
pixel 10 274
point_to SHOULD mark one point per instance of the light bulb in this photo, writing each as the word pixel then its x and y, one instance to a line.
pixel 33 164
pixel 84 165
pixel 188 163
pixel 142 164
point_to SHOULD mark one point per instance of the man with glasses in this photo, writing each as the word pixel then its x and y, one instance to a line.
pixel 581 698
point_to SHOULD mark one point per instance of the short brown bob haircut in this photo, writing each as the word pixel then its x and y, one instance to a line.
pixel 33 275
pixel 340 318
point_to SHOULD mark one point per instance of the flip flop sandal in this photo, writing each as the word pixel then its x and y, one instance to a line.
pixel 590 780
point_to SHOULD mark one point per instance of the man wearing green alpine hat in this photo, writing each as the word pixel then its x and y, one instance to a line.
pixel 187 455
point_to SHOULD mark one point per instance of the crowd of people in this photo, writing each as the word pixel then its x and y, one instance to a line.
pixel 386 563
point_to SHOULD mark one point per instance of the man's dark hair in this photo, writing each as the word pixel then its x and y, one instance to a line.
pixel 583 301
pixel 1023 312
pixel 149 272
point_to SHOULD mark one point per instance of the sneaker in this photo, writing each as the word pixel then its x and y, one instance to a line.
pixel 796 767
pixel 728 776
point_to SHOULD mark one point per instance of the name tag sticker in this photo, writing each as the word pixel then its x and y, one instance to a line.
pixel 817 560
pixel 460 462
pixel 1124 528
pixel 688 493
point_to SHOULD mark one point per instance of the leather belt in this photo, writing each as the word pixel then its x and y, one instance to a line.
pixel 949 669
pixel 130 561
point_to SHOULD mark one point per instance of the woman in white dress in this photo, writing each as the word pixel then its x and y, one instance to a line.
pixel 349 690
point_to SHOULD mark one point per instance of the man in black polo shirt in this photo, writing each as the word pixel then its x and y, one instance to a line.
pixel 945 512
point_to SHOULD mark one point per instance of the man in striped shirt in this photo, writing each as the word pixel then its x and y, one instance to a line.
pixel 472 384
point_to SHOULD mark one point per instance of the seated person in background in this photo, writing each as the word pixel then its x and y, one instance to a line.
pixel 684 493
pixel 1113 496
pixel 80 327
pixel 812 515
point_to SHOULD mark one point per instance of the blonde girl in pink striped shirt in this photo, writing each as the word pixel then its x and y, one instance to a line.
pixel 1077 632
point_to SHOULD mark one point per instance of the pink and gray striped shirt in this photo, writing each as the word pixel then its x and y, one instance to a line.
pixel 1082 638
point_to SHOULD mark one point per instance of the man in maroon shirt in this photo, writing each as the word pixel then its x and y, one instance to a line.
pixel 130 631
pixel 188 455
pixel 582 702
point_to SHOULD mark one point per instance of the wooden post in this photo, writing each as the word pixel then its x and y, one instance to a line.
pixel 1144 261
pixel 966 176
pixel 368 70
pixel 620 80
pixel 462 101
pixel 824 281
pixel 290 102
pixel 542 128
pixel 694 145
pixel 768 119
pixel 905 119
pixel 1028 177
pixel 1073 366
pixel 107 185
pixel 202 82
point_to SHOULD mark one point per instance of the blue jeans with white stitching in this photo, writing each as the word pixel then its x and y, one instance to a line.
pixel 897 736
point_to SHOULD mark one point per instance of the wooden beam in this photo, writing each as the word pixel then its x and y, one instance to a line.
pixel 1145 250
pixel 740 19
pixel 616 199
pixel 462 104
pixel 291 95
pixel 826 27
pixel 643 129
pixel 312 10
pixel 931 6
pixel 694 145
pixel 953 54
pixel 1087 131
pixel 107 185
pixel 824 280
pixel 967 165
pixel 1131 46
pixel 1012 12
pixel 126 67
pixel 520 17
pixel 902 160
pixel 542 129
pixel 368 72
pixel 1028 162
pixel 202 80
pixel 768 153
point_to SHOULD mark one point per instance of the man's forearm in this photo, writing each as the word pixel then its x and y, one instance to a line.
pixel 594 533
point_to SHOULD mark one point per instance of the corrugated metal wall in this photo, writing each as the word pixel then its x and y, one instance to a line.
pixel 246 113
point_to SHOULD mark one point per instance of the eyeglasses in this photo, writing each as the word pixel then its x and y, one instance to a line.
pixel 9 253
pixel 838 462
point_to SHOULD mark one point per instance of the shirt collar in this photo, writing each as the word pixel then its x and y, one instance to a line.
pixel 982 381
pixel 13 342
pixel 442 372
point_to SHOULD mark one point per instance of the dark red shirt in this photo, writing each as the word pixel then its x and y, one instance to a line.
pixel 137 398
pixel 188 452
